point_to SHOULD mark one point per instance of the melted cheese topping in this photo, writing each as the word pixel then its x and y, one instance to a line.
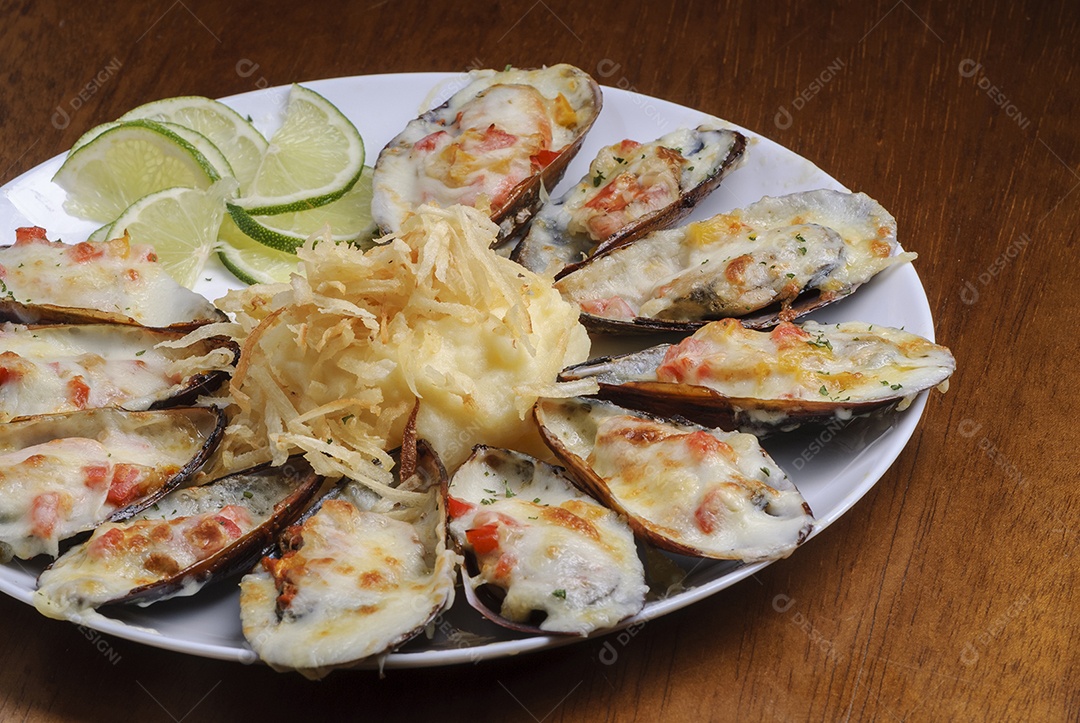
pixel 712 491
pixel 63 369
pixel 360 583
pixel 111 277
pixel 120 557
pixel 53 489
pixel 736 263
pixel 626 182
pixel 551 548
pixel 48 492
pixel 500 130
pixel 811 362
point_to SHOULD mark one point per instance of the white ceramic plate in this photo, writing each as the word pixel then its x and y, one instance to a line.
pixel 833 467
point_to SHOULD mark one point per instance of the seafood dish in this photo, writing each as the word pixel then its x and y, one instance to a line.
pixel 187 539
pixel 551 558
pixel 357 577
pixel 495 143
pixel 65 368
pixel 63 474
pixel 682 487
pixel 631 189
pixel 760 382
pixel 44 281
pixel 782 257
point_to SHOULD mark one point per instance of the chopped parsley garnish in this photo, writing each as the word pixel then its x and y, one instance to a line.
pixel 560 593
pixel 821 341
pixel 823 391
pixel 894 387
pixel 507 492
pixel 753 237
pixel 248 494
pixel 767 471
pixel 619 160
pixel 800 239
pixel 790 276
pixel 140 352
pixel 802 251
pixel 487 501
pixel 536 500
pixel 597 179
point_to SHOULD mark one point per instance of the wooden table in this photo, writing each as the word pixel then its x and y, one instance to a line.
pixel 947 593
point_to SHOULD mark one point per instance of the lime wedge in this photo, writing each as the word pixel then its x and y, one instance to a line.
pixel 129 160
pixel 180 223
pixel 250 261
pixel 234 136
pixel 314 158
pixel 349 219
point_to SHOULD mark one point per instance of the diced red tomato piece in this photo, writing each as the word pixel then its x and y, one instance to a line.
pixel 787 335
pixel 231 528
pixel 44 514
pixel 543 158
pixel 29 234
pixel 78 392
pixel 504 566
pixel 105 544
pixel 623 190
pixel 85 251
pixel 613 308
pixel 495 139
pixel 96 475
pixel 125 487
pixel 483 539
pixel 458 508
pixel 706 515
pixel 703 445
pixel 429 142
pixel 680 359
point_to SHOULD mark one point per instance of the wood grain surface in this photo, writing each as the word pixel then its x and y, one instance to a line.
pixel 947 593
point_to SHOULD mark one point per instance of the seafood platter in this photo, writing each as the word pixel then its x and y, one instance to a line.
pixel 603 357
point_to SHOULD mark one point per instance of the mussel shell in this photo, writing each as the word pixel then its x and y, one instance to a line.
pixel 391 203
pixel 575 563
pixel 114 365
pixel 550 246
pixel 352 605
pixel 696 274
pixel 751 511
pixel 896 366
pixel 273 497
pixel 172 442
pixel 109 282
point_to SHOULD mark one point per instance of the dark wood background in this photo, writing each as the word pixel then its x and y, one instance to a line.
pixel 947 593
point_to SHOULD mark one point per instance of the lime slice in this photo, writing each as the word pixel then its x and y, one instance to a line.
pixel 129 160
pixel 101 233
pixel 180 223
pixel 234 136
pixel 250 261
pixel 349 219
pixel 314 158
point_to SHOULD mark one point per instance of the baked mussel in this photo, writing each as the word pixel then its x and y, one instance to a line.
pixel 540 556
pixel 44 281
pixel 63 474
pixel 728 376
pixel 631 189
pixel 185 540
pixel 682 487
pixel 65 368
pixel 494 144
pixel 775 260
pixel 357 577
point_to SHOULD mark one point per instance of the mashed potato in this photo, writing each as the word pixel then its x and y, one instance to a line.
pixel 333 363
